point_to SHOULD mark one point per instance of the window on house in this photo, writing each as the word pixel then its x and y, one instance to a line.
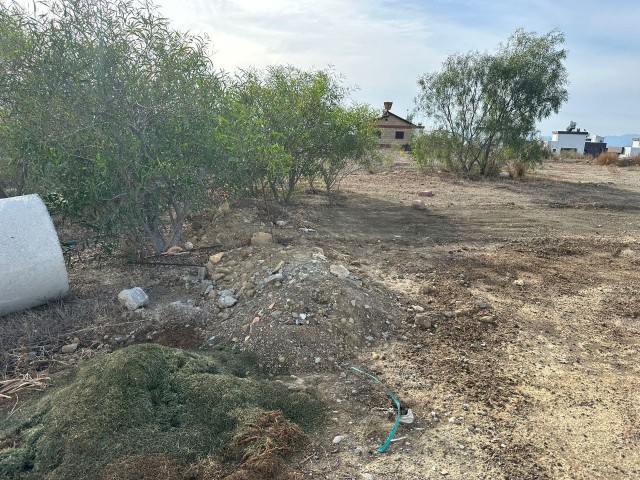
pixel 399 135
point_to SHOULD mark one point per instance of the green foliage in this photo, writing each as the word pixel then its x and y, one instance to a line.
pixel 430 148
pixel 111 111
pixel 284 124
pixel 144 400
pixel 490 102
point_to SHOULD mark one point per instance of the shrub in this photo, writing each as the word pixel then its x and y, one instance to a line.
pixel 517 170
pixel 625 162
pixel 607 158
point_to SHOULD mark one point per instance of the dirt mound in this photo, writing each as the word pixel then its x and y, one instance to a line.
pixel 153 406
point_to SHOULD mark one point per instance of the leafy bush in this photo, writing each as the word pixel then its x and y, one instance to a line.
pixel 112 111
pixel 284 124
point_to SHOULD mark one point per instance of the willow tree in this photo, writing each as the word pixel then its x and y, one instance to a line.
pixel 112 111
pixel 484 104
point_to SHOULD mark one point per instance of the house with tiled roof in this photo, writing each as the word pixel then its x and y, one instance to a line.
pixel 394 130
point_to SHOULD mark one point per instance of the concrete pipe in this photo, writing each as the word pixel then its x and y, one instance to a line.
pixel 32 269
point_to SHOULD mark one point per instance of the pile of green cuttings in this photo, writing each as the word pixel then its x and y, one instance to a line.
pixel 146 405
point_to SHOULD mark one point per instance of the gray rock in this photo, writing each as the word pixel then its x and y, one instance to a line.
pixel 202 273
pixel 133 298
pixel 425 320
pixel 339 271
pixel 226 301
pixel 337 439
pixel 276 277
pixel 72 347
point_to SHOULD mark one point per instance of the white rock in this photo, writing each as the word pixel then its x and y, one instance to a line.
pixel 133 298
pixel 337 439
pixel 339 271
pixel 408 418
pixel 226 301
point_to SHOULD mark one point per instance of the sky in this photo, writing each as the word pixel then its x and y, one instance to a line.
pixel 382 47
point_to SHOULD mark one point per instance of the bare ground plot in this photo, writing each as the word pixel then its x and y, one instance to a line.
pixel 530 368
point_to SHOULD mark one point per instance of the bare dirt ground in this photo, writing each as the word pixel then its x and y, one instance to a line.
pixel 526 367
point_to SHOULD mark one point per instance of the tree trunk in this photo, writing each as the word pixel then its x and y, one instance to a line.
pixel 155 235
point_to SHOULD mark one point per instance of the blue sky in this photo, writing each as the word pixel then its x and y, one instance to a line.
pixel 383 46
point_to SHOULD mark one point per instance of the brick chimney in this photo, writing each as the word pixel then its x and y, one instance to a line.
pixel 387 106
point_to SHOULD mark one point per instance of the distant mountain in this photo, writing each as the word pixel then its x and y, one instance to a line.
pixel 620 140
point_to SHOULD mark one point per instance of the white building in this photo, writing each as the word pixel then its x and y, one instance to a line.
pixel 568 140
pixel 633 150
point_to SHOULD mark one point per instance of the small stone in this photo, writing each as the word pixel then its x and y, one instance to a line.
pixel 339 271
pixel 281 223
pixel 226 301
pixel 627 252
pixel 317 251
pixel 518 283
pixel 72 347
pixel 282 359
pixel 482 304
pixel 419 205
pixel 365 476
pixel 215 259
pixel 202 273
pixel 425 193
pixel 188 246
pixel 224 209
pixel 174 250
pixel 278 267
pixel 133 298
pixel 487 319
pixel 276 277
pixel 424 320
pixel 337 439
pixel 261 238
pixel 318 360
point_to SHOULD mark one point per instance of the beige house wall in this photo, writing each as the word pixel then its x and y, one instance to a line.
pixel 388 127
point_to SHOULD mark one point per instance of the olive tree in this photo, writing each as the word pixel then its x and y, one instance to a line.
pixel 113 113
pixel 482 103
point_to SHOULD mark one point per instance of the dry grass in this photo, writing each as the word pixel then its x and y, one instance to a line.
pixel 516 170
pixel 152 408
pixel 35 335
pixel 607 158
pixel 24 382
